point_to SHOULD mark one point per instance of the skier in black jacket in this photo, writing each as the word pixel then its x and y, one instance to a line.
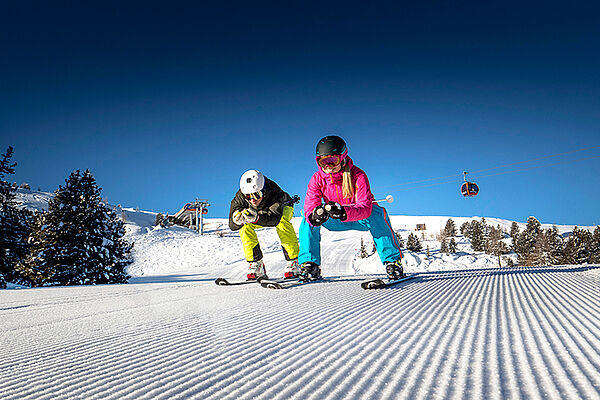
pixel 260 202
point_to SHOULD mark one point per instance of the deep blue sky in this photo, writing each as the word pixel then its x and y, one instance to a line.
pixel 165 102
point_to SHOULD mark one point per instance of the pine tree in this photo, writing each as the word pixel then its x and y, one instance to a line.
pixel 412 243
pixel 452 246
pixel 477 236
pixel 14 225
pixel 494 244
pixel 569 253
pixel 79 240
pixel 450 228
pixel 400 240
pixel 526 240
pixel 583 244
pixel 444 248
pixel 465 230
pixel 514 230
pixel 362 251
pixel 595 247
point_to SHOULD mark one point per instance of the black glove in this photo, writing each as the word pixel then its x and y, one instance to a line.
pixel 318 216
pixel 336 211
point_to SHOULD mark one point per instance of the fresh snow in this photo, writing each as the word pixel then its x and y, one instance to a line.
pixel 463 329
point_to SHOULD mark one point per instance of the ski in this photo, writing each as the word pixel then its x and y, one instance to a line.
pixel 225 282
pixel 380 283
pixel 288 283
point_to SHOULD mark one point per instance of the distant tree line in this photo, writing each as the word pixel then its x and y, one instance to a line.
pixel 77 241
pixel 535 245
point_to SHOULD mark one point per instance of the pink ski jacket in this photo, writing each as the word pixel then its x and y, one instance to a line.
pixel 328 187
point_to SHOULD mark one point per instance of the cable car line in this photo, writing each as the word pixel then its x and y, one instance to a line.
pixel 490 175
pixel 493 168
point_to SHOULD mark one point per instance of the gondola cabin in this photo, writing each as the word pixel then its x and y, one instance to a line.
pixel 469 189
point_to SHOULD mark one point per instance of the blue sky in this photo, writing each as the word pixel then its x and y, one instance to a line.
pixel 166 103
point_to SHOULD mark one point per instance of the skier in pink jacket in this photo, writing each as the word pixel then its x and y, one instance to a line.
pixel 339 198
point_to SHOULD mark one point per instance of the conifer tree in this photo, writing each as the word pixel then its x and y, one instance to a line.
pixel 452 246
pixel 514 230
pixel 583 245
pixel 526 240
pixel 465 229
pixel 595 247
pixel 79 240
pixel 400 240
pixel 450 228
pixel 569 253
pixel 444 248
pixel 494 244
pixel 477 236
pixel 413 243
pixel 14 225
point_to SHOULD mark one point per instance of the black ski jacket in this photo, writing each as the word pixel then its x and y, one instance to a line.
pixel 270 209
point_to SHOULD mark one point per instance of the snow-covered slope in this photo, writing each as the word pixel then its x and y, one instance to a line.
pixel 494 334
pixel 463 329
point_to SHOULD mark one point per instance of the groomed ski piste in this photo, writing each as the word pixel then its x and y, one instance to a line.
pixel 463 329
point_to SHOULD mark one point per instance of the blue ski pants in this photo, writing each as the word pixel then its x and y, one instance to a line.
pixel 378 223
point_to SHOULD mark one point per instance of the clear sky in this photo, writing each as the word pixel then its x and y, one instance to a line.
pixel 168 101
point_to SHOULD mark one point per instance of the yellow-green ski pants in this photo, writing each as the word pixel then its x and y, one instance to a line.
pixel 285 231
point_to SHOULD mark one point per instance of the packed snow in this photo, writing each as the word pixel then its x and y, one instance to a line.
pixel 464 328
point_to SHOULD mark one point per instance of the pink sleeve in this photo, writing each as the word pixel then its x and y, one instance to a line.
pixel 314 195
pixel 363 205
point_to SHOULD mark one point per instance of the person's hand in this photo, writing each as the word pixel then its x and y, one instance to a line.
pixel 336 210
pixel 318 216
pixel 246 216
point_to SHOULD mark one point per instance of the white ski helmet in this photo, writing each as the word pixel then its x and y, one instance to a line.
pixel 252 181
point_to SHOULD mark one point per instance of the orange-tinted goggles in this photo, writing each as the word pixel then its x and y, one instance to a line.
pixel 329 161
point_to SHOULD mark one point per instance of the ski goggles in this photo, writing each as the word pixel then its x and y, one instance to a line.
pixel 329 161
pixel 254 196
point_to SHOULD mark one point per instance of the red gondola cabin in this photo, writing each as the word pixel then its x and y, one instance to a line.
pixel 469 189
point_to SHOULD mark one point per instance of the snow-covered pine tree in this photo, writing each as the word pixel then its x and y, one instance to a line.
pixel 595 247
pixel 452 246
pixel 450 228
pixel 465 230
pixel 526 240
pixel 477 236
pixel 79 239
pixel 569 253
pixel 494 244
pixel 400 240
pixel 413 243
pixel 583 245
pixel 444 247
pixel 514 230
pixel 14 225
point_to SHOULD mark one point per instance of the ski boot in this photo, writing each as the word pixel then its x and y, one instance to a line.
pixel 309 271
pixel 394 270
pixel 292 270
pixel 256 271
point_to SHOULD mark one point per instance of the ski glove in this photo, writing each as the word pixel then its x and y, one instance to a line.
pixel 336 211
pixel 247 216
pixel 318 216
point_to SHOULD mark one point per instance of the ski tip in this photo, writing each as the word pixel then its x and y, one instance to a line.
pixel 271 285
pixel 374 284
pixel 221 282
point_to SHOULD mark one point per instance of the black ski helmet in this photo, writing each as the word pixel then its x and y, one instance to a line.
pixel 332 146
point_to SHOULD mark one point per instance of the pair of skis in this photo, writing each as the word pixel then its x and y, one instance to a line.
pixel 287 283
